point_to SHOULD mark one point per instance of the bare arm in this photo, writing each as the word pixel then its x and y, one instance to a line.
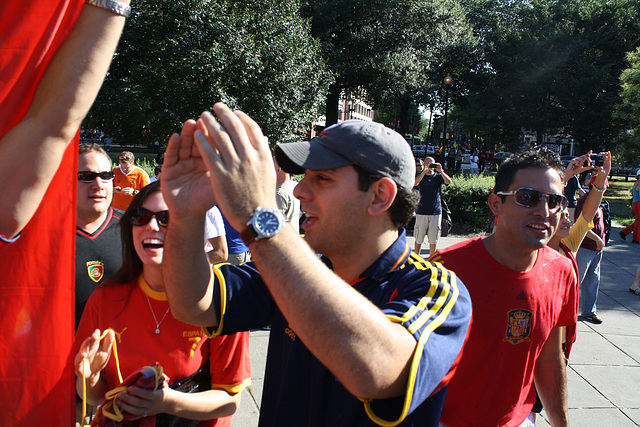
pixel 595 197
pixel 420 176
pixel 445 177
pixel 593 236
pixel 31 152
pixel 550 377
pixel 577 165
pixel 204 405
pixel 220 251
pixel 187 191
pixel 348 334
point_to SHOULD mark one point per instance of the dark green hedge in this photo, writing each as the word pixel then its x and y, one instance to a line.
pixel 467 200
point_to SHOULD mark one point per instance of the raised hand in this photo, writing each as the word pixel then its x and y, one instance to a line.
pixel 239 161
pixel 96 353
pixel 577 165
pixel 185 181
pixel 607 161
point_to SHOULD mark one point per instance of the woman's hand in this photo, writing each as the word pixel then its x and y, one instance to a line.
pixel 96 354
pixel 143 402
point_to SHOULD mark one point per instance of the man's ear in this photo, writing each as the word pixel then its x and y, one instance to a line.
pixel 384 192
pixel 495 203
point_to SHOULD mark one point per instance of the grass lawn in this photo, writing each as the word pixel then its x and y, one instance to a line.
pixel 619 197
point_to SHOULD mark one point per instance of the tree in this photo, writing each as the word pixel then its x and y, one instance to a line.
pixel 628 112
pixel 550 66
pixel 178 57
pixel 387 51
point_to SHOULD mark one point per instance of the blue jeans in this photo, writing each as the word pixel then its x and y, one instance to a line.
pixel 589 268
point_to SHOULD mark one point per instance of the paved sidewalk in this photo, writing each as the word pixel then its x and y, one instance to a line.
pixel 604 370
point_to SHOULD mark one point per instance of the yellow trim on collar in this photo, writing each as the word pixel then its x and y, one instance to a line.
pixel 160 296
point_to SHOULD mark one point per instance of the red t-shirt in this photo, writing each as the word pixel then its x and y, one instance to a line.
pixel 37 282
pixel 181 349
pixel 513 315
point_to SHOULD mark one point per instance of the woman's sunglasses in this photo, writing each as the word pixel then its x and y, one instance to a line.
pixel 143 216
pixel 530 198
pixel 88 176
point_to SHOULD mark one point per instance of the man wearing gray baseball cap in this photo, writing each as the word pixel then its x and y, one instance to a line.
pixel 370 145
pixel 368 334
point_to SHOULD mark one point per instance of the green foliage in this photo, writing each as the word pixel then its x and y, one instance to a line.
pixel 550 66
pixel 619 197
pixel 628 112
pixel 178 57
pixel 467 200
pixel 389 51
pixel 147 165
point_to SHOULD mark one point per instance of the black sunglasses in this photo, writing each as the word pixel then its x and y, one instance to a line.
pixel 530 198
pixel 125 158
pixel 143 216
pixel 88 176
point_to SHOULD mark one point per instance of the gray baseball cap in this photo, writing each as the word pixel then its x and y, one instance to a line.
pixel 370 145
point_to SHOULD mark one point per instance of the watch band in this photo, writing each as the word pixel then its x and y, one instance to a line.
pixel 114 6
pixel 248 235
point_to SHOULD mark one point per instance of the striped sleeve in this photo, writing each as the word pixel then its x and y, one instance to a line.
pixel 435 307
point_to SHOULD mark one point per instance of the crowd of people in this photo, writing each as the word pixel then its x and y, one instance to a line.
pixel 171 275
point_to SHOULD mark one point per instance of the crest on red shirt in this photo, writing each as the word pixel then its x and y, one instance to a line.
pixel 95 270
pixel 519 326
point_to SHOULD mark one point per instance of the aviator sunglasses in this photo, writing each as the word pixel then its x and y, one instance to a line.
pixel 143 216
pixel 88 176
pixel 530 198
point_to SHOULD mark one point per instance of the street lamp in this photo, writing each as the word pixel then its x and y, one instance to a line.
pixel 447 82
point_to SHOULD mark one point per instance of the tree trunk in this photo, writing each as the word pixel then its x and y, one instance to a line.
pixel 404 116
pixel 331 106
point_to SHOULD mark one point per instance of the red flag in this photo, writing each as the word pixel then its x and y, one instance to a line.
pixel 37 271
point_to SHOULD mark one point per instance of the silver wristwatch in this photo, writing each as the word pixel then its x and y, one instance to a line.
pixel 264 224
pixel 112 6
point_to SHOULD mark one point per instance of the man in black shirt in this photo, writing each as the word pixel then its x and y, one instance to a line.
pixel 429 180
pixel 98 242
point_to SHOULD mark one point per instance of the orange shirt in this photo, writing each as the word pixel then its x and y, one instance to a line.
pixel 136 179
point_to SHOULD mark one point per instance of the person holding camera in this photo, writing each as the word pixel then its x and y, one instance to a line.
pixel 429 180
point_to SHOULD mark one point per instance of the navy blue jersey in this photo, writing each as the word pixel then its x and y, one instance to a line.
pixel 570 191
pixel 98 255
pixel 299 391
pixel 429 188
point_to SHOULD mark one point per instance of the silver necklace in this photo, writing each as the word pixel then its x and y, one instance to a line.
pixel 154 315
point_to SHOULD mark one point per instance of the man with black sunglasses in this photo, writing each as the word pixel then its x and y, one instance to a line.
pixel 98 241
pixel 522 292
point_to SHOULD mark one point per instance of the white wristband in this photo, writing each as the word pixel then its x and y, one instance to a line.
pixel 112 6
pixel 599 190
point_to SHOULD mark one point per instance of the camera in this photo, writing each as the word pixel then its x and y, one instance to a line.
pixel 433 166
pixel 597 160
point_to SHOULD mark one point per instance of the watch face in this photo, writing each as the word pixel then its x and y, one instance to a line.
pixel 267 223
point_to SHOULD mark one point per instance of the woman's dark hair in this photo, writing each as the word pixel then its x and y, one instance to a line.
pixel 131 267
pixel 403 207
pixel 538 157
